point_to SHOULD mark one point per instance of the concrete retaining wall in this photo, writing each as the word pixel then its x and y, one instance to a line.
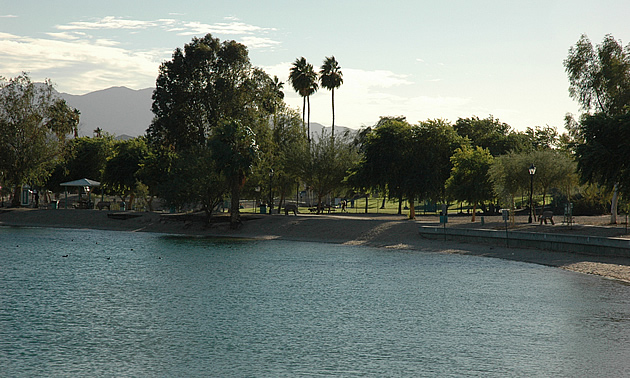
pixel 588 245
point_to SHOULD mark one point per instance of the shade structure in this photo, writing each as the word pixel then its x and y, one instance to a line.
pixel 81 182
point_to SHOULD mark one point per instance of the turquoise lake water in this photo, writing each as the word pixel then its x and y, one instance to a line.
pixel 140 304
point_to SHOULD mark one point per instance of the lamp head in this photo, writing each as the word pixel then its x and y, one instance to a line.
pixel 532 169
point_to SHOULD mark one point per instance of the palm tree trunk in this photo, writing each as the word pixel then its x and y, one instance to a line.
pixel 474 212
pixel 333 113
pixel 308 119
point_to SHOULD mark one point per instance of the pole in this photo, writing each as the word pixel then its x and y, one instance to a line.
pixel 531 197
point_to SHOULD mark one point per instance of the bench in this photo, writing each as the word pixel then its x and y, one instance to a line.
pixel 547 215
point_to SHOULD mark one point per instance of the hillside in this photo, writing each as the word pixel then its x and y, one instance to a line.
pixel 127 112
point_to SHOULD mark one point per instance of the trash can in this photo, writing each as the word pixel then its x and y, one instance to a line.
pixel 263 209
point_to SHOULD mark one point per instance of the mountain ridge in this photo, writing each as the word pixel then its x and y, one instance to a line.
pixel 126 113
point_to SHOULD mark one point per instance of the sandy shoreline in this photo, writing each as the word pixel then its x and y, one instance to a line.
pixel 384 231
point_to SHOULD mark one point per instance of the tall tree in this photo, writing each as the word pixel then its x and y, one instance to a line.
pixel 325 164
pixel 303 79
pixel 599 79
pixel 331 78
pixel 120 173
pixel 385 164
pixel 204 87
pixel 439 141
pixel 469 179
pixel 34 126
pixel 498 137
pixel 234 149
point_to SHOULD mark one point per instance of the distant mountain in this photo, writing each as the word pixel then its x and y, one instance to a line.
pixel 119 111
pixel 317 128
pixel 126 113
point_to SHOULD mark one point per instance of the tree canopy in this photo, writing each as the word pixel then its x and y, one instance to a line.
pixel 34 125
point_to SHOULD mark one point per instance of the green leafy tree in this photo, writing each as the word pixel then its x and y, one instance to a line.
pixel 469 179
pixel 189 178
pixel 510 176
pixel 439 141
pixel 120 173
pixel 235 150
pixel 385 165
pixel 82 158
pixel 601 151
pixel 498 137
pixel 331 78
pixel 288 141
pixel 599 79
pixel 204 87
pixel 325 164
pixel 303 79
pixel 33 130
pixel 554 169
pixel 543 137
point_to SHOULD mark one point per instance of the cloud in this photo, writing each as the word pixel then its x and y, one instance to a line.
pixel 82 65
pixel 110 22
pixel 229 28
pixel 8 16
pixel 367 95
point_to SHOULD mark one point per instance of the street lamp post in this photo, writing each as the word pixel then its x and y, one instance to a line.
pixel 270 190
pixel 532 171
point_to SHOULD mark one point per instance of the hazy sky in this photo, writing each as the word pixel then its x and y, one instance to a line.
pixel 420 59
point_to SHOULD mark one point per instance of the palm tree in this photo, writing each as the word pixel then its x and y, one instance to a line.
pixel 304 81
pixel 331 77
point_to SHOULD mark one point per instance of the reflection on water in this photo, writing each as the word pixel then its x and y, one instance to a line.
pixel 143 304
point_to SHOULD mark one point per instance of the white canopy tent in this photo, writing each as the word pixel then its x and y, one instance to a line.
pixel 79 183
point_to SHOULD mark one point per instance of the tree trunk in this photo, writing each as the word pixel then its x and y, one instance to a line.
pixel 15 201
pixel 235 211
pixel 319 203
pixel 412 209
pixel 400 200
pixel 383 204
pixel 474 212
pixel 333 114
pixel 304 110
pixel 613 204
pixel 308 119
pixel 366 203
pixel 131 198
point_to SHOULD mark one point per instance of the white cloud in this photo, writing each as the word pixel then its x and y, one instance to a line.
pixel 231 28
pixel 8 16
pixel 367 95
pixel 258 42
pixel 65 35
pixel 110 22
pixel 80 65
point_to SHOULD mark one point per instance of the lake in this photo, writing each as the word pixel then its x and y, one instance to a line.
pixel 100 303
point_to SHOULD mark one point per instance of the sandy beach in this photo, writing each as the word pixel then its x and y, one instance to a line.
pixel 376 230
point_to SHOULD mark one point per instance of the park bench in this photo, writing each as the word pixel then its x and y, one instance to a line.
pixel 546 215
